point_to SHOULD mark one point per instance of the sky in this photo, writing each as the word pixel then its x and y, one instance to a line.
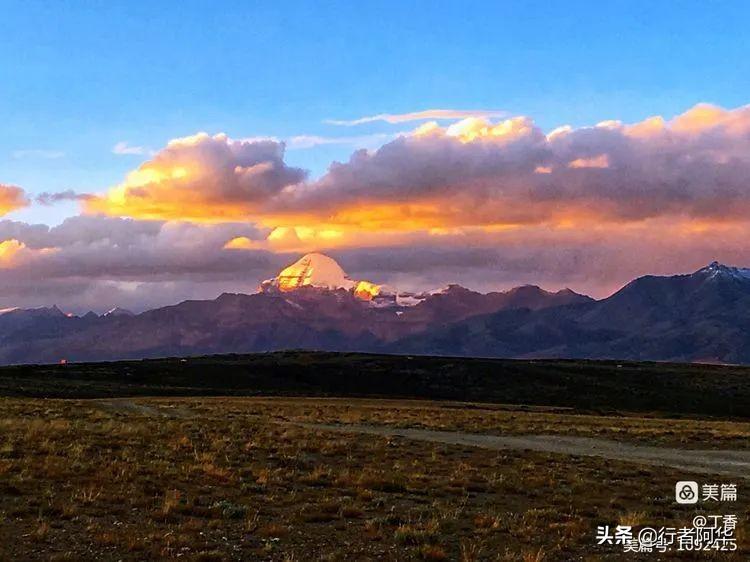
pixel 153 152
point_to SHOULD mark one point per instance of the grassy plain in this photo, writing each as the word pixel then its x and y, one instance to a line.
pixel 235 479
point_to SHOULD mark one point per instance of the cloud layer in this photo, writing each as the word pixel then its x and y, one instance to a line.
pixel 487 204
pixel 470 173
pixel 476 172
pixel 98 262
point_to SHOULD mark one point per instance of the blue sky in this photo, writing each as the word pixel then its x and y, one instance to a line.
pixel 75 81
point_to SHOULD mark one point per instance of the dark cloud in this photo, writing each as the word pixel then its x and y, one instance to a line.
pixel 46 198
pixel 92 255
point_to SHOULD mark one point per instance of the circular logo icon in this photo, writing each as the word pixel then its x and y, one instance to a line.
pixel 686 493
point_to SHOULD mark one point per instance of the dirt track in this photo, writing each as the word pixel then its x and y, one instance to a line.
pixel 726 462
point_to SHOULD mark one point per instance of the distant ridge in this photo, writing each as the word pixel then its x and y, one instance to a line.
pixel 313 304
pixel 703 316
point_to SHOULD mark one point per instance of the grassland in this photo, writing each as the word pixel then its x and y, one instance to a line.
pixel 586 386
pixel 234 478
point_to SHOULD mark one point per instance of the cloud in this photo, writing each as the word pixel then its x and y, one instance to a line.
pixel 11 198
pixel 594 262
pixel 89 255
pixel 123 148
pixel 438 114
pixel 471 172
pixel 487 203
pixel 202 177
pixel 47 198
pixel 310 141
pixel 99 262
pixel 478 172
pixel 37 153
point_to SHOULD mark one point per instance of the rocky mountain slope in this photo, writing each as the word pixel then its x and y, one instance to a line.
pixel 313 304
pixel 703 317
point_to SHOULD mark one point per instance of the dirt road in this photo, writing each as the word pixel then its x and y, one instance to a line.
pixel 725 462
pixel 731 463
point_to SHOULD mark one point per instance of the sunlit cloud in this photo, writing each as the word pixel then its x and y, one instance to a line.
pixel 435 114
pixel 483 202
pixel 202 177
pixel 112 261
pixel 471 172
pixel 11 198
pixel 476 172
pixel 8 251
pixel 601 161
pixel 99 262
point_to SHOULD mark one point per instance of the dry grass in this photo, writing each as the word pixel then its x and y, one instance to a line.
pixel 221 479
pixel 509 420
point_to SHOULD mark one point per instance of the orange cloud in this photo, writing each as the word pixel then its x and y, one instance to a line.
pixel 11 198
pixel 471 173
pixel 98 262
pixel 8 251
pixel 699 118
pixel 201 178
pixel 601 161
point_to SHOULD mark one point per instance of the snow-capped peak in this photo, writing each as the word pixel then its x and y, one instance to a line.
pixel 313 270
pixel 716 269
pixel 320 271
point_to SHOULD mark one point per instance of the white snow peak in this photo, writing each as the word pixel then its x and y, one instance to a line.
pixel 321 271
pixel 716 269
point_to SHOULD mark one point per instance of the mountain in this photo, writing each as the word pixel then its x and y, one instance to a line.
pixel 30 319
pixel 117 311
pixel 704 316
pixel 320 272
pixel 312 304
pixel 456 303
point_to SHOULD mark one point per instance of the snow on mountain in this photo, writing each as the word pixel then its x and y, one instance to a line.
pixel 320 271
pixel 313 270
pixel 717 270
pixel 117 311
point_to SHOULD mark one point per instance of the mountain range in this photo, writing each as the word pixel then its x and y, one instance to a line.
pixel 313 304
